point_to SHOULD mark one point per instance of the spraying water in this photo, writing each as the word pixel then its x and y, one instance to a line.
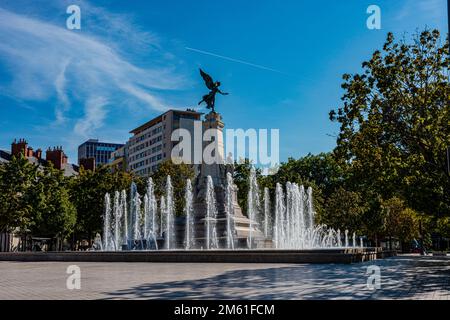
pixel 170 217
pixel 294 226
pixel 150 215
pixel 146 216
pixel 136 214
pixel 229 210
pixel 97 245
pixel 267 214
pixel 106 224
pixel 253 205
pixel 127 227
pixel 189 242
pixel 346 238
pixel 133 191
pixel 123 205
pixel 279 237
pixel 211 215
pixel 310 208
pixel 339 241
pixel 162 214
pixel 117 212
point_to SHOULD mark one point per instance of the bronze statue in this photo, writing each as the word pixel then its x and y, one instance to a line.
pixel 210 98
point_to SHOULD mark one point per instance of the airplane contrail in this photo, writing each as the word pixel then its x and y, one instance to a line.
pixel 234 60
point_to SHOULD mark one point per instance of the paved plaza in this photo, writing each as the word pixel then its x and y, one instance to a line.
pixel 403 277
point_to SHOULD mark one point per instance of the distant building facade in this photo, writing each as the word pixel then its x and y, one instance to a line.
pixel 54 155
pixel 87 163
pixel 151 142
pixel 118 160
pixel 93 153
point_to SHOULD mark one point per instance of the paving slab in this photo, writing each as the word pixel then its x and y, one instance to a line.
pixel 401 277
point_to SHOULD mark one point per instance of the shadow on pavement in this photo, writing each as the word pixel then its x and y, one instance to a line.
pixel 401 278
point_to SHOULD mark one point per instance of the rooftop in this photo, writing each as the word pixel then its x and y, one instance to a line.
pixel 69 168
pixel 98 141
pixel 158 119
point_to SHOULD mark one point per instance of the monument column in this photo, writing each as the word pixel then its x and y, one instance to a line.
pixel 213 133
pixel 214 165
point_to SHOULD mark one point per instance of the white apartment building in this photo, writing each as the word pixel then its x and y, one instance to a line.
pixel 151 142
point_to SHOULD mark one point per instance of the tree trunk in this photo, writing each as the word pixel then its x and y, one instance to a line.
pixel 90 238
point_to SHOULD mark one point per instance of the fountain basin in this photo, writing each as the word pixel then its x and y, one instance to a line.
pixel 319 256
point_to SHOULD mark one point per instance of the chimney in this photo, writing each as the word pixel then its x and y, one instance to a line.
pixel 38 154
pixel 30 152
pixel 88 163
pixel 57 157
pixel 20 147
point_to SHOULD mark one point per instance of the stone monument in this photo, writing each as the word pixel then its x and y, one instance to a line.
pixel 218 172
pixel 216 167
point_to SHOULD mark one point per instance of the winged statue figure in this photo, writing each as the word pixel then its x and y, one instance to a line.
pixel 210 98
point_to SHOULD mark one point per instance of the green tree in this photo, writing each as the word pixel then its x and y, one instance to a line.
pixel 17 178
pixel 300 171
pixel 322 169
pixel 394 124
pixel 400 221
pixel 55 215
pixel 443 226
pixel 87 192
pixel 179 173
pixel 344 210
pixel 241 176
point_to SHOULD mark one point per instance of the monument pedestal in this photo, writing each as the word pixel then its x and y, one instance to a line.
pixel 218 172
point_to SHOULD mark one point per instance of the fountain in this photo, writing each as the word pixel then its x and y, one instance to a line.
pixel 106 224
pixel 267 214
pixel 117 213
pixel 346 238
pixel 229 210
pixel 150 216
pixel 279 217
pixel 123 205
pixel 211 216
pixel 294 226
pixel 214 222
pixel 169 216
pixel 162 214
pixel 189 242
pixel 136 215
pixel 146 218
pixel 310 208
pixel 253 206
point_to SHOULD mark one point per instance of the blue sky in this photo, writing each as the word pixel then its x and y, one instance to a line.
pixel 129 62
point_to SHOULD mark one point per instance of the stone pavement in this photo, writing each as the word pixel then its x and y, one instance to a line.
pixel 402 277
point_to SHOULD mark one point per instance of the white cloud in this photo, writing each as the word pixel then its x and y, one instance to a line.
pixel 95 114
pixel 76 67
pixel 63 100
pixel 428 9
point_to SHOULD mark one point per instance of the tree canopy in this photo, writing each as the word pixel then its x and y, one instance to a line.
pixel 387 176
pixel 394 123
